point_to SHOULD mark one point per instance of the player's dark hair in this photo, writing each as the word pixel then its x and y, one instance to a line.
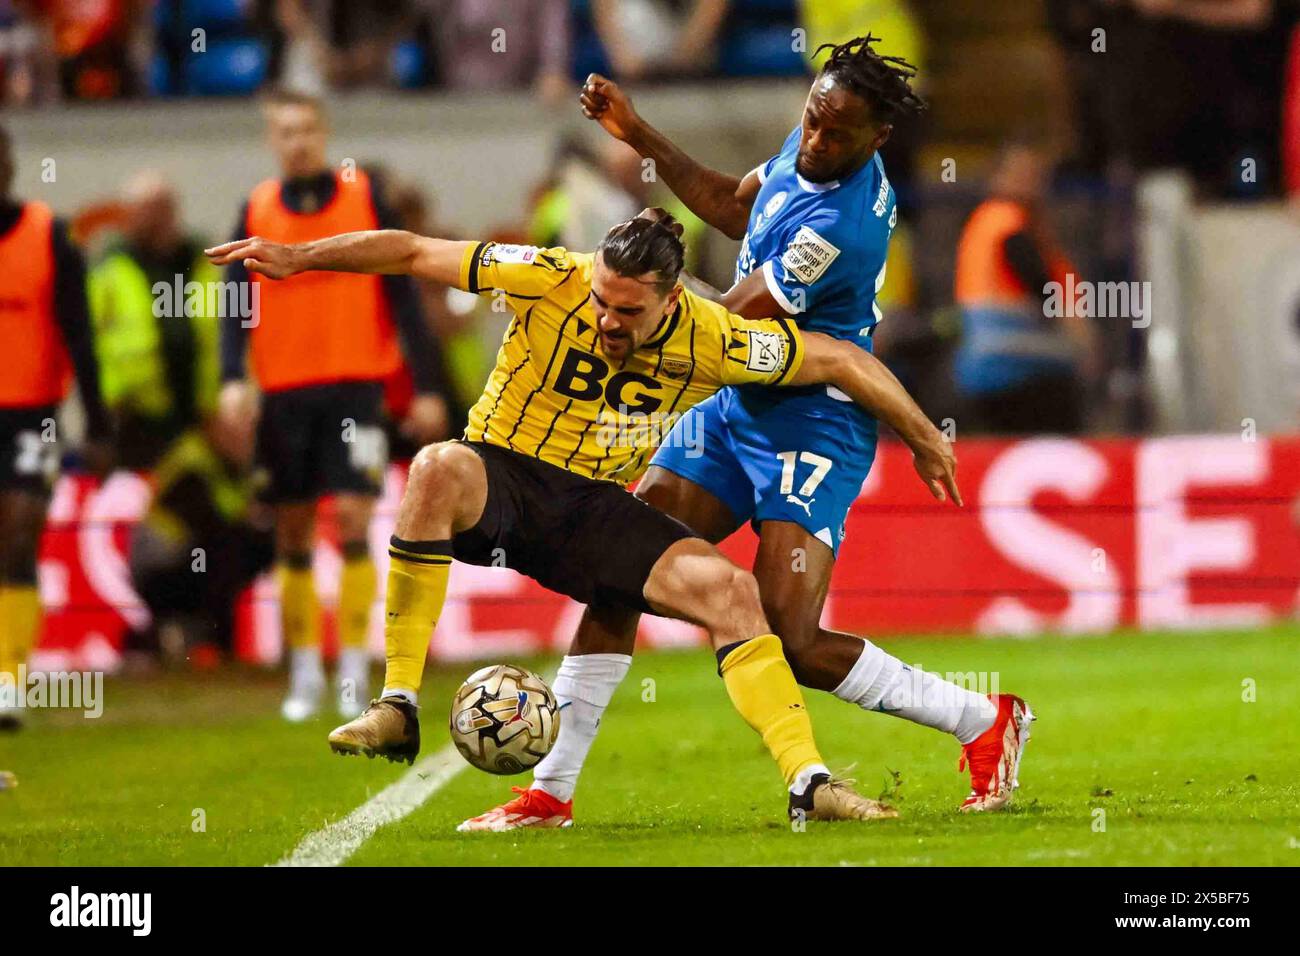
pixel 648 243
pixel 883 82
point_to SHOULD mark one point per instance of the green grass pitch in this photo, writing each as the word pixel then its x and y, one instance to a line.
pixel 1148 751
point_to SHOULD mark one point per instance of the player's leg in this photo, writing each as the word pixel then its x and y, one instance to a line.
pixel 353 470
pixel 793 569
pixel 694 581
pixel 285 451
pixel 446 493
pixel 295 536
pixel 29 461
pixel 357 586
pixel 601 651
pixel 806 473
pixel 22 518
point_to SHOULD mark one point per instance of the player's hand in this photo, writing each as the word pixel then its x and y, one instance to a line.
pixel 427 420
pixel 274 260
pixel 605 102
pixel 937 466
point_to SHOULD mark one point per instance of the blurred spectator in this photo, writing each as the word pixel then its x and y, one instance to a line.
pixel 329 43
pixel 95 42
pixel 203 541
pixel 497 45
pixel 46 336
pixel 659 38
pixel 584 190
pixel 465 365
pixel 362 36
pixel 322 353
pixel 1203 75
pixel 156 340
pixel 587 190
pixel 1018 369
pixel 915 342
pixel 300 53
pixel 832 21
pixel 27 68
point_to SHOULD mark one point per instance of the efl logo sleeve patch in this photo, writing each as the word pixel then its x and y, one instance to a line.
pixel 766 352
pixel 808 256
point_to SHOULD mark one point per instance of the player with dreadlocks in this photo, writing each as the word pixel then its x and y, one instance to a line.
pixel 815 221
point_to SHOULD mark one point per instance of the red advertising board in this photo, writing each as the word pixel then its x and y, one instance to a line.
pixel 1057 535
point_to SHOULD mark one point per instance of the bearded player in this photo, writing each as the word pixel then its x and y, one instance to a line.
pixel 815 221
pixel 598 341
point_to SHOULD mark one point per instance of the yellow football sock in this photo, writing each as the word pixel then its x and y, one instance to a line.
pixel 8 645
pixel 763 689
pixel 20 619
pixel 299 618
pixel 417 588
pixel 356 594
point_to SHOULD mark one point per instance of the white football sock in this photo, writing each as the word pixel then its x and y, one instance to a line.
pixel 880 682
pixel 353 679
pixel 805 776
pixel 354 665
pixel 306 669
pixel 402 692
pixel 584 685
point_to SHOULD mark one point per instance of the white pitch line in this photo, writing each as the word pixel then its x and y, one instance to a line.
pixel 333 844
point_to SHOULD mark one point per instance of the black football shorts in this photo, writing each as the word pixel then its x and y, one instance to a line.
pixel 29 449
pixel 591 540
pixel 322 439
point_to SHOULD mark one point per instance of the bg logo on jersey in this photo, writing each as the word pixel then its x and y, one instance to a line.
pixel 582 378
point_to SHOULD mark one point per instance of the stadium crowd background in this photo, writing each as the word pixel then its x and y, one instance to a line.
pixel 1062 106
pixel 1213 83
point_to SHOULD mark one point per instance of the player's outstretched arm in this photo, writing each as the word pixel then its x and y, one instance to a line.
pixel 871 385
pixel 377 252
pixel 720 199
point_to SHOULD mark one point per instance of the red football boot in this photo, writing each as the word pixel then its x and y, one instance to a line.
pixel 994 756
pixel 532 808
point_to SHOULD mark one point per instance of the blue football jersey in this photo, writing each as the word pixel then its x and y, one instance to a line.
pixel 798 455
pixel 821 248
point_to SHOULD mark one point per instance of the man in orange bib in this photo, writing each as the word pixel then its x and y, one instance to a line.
pixel 45 325
pixel 319 348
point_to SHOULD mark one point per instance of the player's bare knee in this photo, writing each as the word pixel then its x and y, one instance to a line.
pixel 353 515
pixel 432 476
pixel 295 530
pixel 731 597
pixel 440 482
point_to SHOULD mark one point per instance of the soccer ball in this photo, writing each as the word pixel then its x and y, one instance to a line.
pixel 504 719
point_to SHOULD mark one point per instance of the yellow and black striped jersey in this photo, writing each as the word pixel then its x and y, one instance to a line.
pixel 554 395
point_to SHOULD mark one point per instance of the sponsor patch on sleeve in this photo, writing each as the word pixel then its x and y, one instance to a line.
pixel 508 253
pixel 808 256
pixel 766 351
